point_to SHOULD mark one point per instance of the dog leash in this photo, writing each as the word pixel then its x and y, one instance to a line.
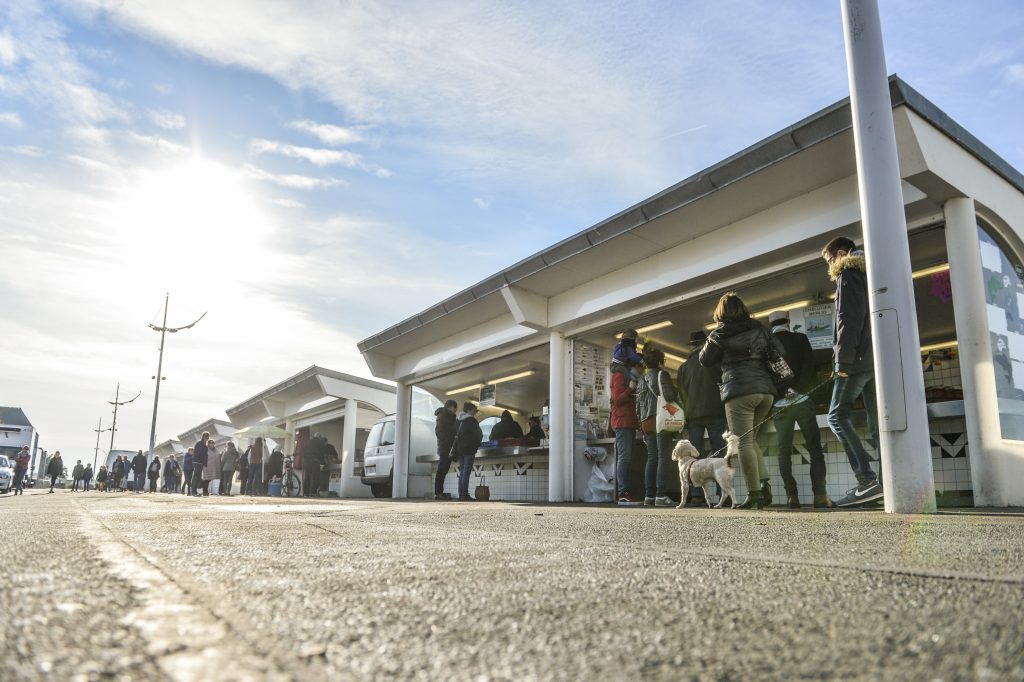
pixel 771 415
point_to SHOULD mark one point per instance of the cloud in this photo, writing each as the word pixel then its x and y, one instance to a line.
pixel 328 134
pixel 25 150
pixel 91 164
pixel 158 142
pixel 289 203
pixel 163 88
pixel 303 182
pixel 481 203
pixel 319 157
pixel 8 55
pixel 168 120
pixel 10 118
pixel 1015 74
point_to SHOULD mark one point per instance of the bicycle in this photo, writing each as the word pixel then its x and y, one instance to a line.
pixel 291 486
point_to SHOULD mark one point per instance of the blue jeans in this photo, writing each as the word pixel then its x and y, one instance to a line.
pixel 801 413
pixel 659 448
pixel 465 471
pixel 624 455
pixel 19 475
pixel 715 428
pixel 844 393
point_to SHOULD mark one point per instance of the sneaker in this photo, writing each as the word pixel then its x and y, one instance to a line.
pixel 664 501
pixel 862 494
pixel 648 501
pixel 626 500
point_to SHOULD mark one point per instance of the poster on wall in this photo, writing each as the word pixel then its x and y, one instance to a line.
pixel 816 321
pixel 487 394
pixel 591 397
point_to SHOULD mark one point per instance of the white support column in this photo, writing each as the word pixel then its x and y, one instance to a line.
pixel 903 420
pixel 560 416
pixel 981 404
pixel 403 425
pixel 350 485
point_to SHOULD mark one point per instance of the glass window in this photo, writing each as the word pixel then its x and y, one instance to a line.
pixel 1004 298
pixel 4 462
pixel 388 437
pixel 373 440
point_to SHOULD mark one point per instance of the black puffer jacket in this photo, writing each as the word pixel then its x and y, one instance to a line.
pixel 699 386
pixel 444 430
pixel 468 436
pixel 851 336
pixel 742 349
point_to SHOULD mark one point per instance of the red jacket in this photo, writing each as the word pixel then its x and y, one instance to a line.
pixel 623 401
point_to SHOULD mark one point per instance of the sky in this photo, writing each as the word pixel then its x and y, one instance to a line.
pixel 310 173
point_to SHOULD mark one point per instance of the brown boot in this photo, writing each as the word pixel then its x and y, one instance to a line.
pixel 823 502
pixel 792 501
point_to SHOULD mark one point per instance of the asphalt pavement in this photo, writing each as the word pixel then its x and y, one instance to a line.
pixel 155 586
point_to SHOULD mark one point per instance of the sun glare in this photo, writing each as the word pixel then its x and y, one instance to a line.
pixel 193 215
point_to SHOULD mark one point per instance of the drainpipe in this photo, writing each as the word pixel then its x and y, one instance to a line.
pixel 903 421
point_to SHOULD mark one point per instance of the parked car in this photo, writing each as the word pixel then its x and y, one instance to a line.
pixel 6 475
pixel 379 453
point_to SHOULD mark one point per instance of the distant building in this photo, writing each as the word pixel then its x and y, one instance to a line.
pixel 16 431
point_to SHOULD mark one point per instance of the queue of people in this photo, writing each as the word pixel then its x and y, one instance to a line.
pixel 731 384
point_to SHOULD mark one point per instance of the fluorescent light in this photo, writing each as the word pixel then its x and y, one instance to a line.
pixel 675 358
pixel 512 377
pixel 514 413
pixel 939 346
pixel 786 307
pixel 930 271
pixel 649 328
pixel 464 389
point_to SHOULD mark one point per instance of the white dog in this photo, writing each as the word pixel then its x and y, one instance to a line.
pixel 704 472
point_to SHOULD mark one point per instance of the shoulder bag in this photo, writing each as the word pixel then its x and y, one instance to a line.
pixel 778 368
pixel 669 417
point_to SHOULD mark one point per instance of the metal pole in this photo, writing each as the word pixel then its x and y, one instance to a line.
pixel 159 378
pixel 96 452
pixel 903 421
pixel 113 427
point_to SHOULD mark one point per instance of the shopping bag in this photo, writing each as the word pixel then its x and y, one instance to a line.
pixel 669 418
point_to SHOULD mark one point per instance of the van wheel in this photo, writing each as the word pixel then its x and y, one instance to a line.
pixel 381 490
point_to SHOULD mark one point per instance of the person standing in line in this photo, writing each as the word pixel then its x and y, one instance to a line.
pixel 86 477
pixel 228 464
pixel 21 462
pixel 853 364
pixel 800 358
pixel 444 431
pixel 468 437
pixel 187 468
pixel 536 431
pixel 139 466
pixel 275 465
pixel 705 413
pixel 153 473
pixel 243 472
pixel 118 472
pixel 172 472
pixel 76 476
pixel 624 423
pixel 312 460
pixel 199 459
pixel 101 479
pixel 654 384
pixel 55 469
pixel 741 345
pixel 256 467
pixel 212 469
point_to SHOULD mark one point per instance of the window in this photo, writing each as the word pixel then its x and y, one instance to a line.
pixel 1004 298
pixel 388 437
pixel 373 440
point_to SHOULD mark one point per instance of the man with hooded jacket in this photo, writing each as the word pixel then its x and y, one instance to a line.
pixel 853 364
pixel 444 431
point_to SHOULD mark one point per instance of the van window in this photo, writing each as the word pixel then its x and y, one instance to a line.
pixel 373 440
pixel 388 438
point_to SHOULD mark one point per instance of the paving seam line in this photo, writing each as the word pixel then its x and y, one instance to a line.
pixel 176 613
pixel 724 556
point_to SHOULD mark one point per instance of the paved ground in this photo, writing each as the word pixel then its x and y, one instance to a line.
pixel 163 587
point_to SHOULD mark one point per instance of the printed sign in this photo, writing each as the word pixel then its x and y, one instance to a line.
pixel 487 396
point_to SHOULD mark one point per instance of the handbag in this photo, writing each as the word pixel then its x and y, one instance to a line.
pixel 780 371
pixel 482 493
pixel 670 416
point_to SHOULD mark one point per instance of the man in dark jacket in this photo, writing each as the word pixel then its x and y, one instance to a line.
pixel 701 399
pixel 507 427
pixel 468 437
pixel 800 410
pixel 55 469
pixel 312 460
pixel 200 457
pixel 853 364
pixel 444 431
pixel 139 471
pixel 21 462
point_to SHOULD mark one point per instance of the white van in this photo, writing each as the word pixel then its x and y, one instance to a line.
pixel 379 456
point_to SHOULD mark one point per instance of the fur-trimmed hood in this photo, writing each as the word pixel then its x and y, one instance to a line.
pixel 854 259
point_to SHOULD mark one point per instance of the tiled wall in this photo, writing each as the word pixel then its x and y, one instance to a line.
pixel 524 480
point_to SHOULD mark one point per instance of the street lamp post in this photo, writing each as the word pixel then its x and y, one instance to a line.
pixel 163 329
pixel 96 453
pixel 116 404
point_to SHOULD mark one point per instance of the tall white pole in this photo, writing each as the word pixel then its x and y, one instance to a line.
pixel 159 378
pixel 903 420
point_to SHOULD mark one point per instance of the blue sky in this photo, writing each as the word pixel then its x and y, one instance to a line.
pixel 311 173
